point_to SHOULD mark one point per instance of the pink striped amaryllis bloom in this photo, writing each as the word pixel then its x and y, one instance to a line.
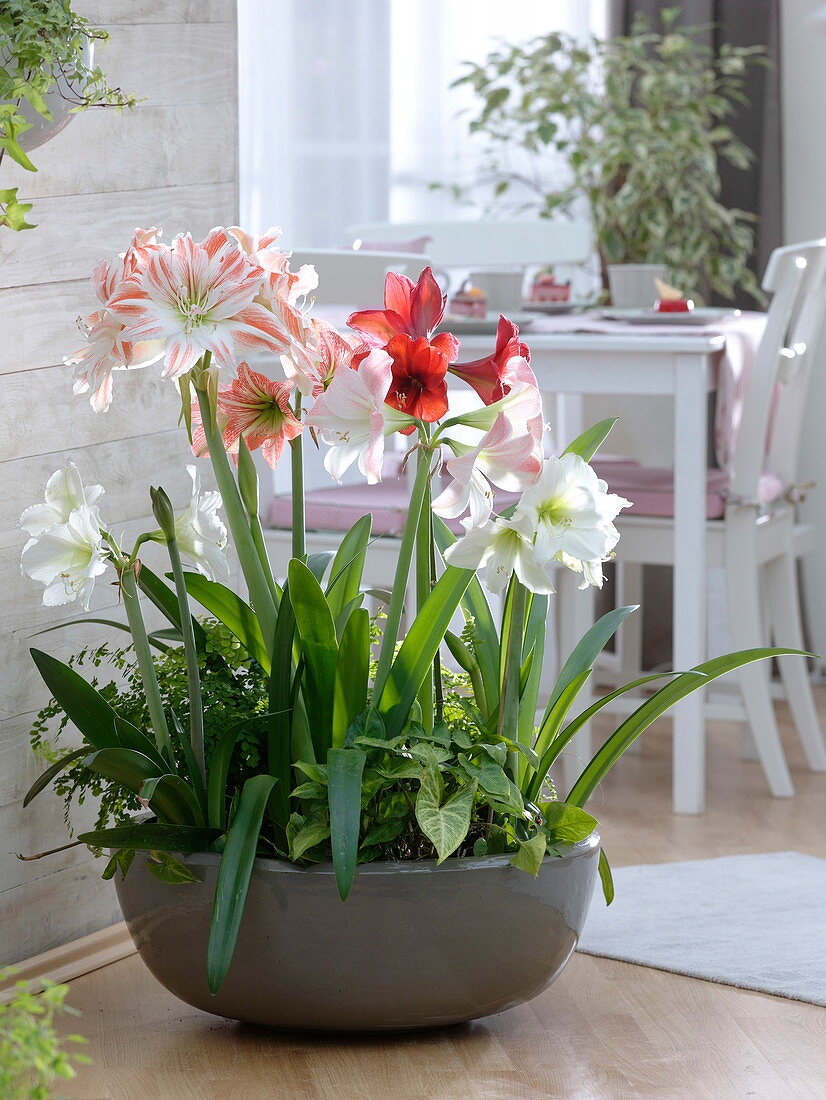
pixel 106 350
pixel 312 363
pixel 280 282
pixel 410 309
pixel 254 407
pixel 494 375
pixel 502 457
pixel 198 298
pixel 352 417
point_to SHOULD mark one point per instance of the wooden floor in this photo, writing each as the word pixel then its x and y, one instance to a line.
pixel 604 1030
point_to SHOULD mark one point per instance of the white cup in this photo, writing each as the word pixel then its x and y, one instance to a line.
pixel 503 288
pixel 632 285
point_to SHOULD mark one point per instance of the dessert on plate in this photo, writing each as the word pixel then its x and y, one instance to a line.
pixel 671 299
pixel 545 288
pixel 470 301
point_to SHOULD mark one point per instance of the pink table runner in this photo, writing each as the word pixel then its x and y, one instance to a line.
pixel 743 334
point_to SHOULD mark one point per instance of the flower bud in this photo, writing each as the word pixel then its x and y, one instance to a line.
pixel 163 512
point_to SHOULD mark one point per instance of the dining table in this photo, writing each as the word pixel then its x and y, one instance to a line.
pixel 630 361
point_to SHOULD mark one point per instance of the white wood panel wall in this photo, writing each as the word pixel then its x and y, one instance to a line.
pixel 170 162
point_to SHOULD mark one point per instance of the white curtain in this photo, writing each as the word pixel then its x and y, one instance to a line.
pixel 345 109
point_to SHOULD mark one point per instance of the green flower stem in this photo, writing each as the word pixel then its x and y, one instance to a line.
pixel 396 606
pixel 143 652
pixel 509 707
pixel 297 472
pixel 248 488
pixel 193 676
pixel 424 585
pixel 236 513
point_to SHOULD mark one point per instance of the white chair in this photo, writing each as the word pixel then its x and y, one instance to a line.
pixel 356 279
pixel 751 531
pixel 512 243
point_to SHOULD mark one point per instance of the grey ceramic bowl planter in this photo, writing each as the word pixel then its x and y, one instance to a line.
pixel 413 946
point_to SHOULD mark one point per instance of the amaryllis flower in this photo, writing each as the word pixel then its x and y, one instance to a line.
pixel 493 376
pixel 199 298
pixel 352 417
pixel 65 492
pixel 419 372
pixel 411 309
pixel 500 458
pixel 280 281
pixel 254 407
pixel 572 516
pixel 312 364
pixel 67 557
pixel 106 350
pixel 498 548
pixel 200 531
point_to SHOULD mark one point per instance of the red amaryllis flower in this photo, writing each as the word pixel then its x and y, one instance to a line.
pixel 256 408
pixel 412 309
pixel 418 387
pixel 493 376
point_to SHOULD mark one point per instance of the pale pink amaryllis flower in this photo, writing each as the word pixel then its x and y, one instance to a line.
pixel 502 458
pixel 106 350
pixel 312 364
pixel 198 298
pixel 254 407
pixel 353 419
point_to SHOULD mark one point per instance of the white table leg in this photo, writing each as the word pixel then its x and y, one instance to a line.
pixel 689 575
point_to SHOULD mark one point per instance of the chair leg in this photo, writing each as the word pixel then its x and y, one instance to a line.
pixel 743 588
pixel 576 615
pixel 783 595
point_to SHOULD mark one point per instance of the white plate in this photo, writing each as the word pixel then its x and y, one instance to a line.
pixel 696 317
pixel 481 326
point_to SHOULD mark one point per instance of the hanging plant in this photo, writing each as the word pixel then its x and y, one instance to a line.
pixel 47 74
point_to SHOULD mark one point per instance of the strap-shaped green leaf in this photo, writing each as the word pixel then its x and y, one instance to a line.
pixel 112 623
pixel 418 649
pixel 605 877
pixel 587 444
pixel 234 874
pixel 173 800
pixel 153 836
pixel 352 674
pixel 344 771
pixel 84 706
pixel 48 775
pixel 481 625
pixel 163 597
pixel 236 615
pixel 319 648
pixel 581 660
pixel 281 721
pixel 348 565
pixel 125 766
pixel 658 704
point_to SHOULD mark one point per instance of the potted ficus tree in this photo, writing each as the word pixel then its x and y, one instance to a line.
pixel 640 125
pixel 47 74
pixel 340 831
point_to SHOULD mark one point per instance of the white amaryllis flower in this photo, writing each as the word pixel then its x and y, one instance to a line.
pixel 502 458
pixel 67 557
pixel 572 515
pixel 200 532
pixel 65 492
pixel 499 548
pixel 352 418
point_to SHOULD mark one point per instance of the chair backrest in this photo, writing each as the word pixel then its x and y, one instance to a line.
pixel 775 398
pixel 353 278
pixel 513 243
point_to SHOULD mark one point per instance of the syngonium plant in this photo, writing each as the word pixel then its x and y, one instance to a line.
pixel 639 125
pixel 369 747
pixel 44 48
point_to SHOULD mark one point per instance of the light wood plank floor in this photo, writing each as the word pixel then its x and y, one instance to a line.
pixel 604 1030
